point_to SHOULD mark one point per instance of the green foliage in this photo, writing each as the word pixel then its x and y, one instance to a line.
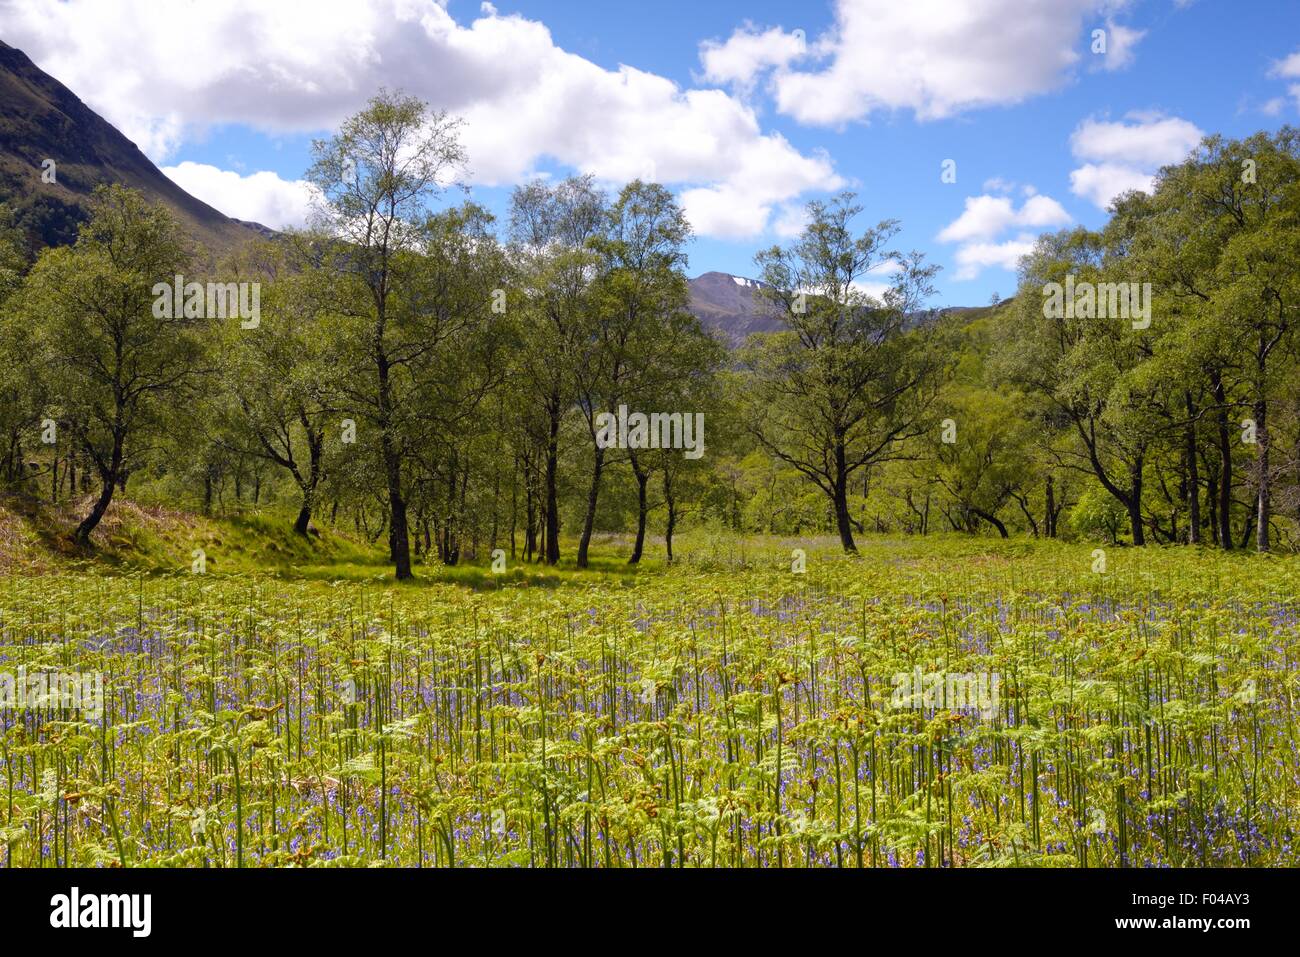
pixel 848 381
pixel 113 371
pixel 723 712
pixel 429 380
pixel 1097 515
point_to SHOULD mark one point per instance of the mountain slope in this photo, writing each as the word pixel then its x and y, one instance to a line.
pixel 42 119
pixel 736 308
pixel 733 306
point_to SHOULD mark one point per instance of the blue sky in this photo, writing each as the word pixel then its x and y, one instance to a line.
pixel 723 101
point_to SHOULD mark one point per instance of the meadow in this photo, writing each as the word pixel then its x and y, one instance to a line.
pixel 724 711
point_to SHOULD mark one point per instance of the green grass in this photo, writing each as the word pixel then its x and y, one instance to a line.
pixel 150 540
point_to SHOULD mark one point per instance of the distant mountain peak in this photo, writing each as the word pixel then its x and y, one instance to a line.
pixel 734 306
pixel 41 119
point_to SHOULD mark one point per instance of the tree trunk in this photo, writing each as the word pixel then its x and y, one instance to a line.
pixel 303 523
pixel 1264 503
pixel 843 522
pixel 496 507
pixel 1212 500
pixel 1225 458
pixel 399 539
pixel 993 520
pixel 109 479
pixel 1135 505
pixel 1023 502
pixel 589 520
pixel 530 522
pixel 1193 477
pixel 82 535
pixel 552 494
pixel 514 507
pixel 1051 507
pixel 671 502
pixel 316 447
pixel 642 480
pixel 840 501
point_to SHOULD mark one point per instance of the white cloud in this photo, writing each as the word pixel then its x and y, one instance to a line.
pixel 886 270
pixel 1121 42
pixel 748 52
pixel 721 211
pixel 1123 156
pixel 767 172
pixel 873 290
pixel 258 197
pixel 987 217
pixel 1151 139
pixel 1287 68
pixel 790 220
pixel 1276 105
pixel 973 258
pixel 1101 183
pixel 301 66
pixel 935 57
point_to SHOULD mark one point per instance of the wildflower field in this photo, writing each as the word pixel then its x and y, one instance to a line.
pixel 721 712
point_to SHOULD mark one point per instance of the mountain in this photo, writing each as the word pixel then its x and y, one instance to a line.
pixel 735 307
pixel 732 305
pixel 41 119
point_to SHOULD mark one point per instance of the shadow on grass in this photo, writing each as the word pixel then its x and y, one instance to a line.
pixel 611 569
pixel 158 543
